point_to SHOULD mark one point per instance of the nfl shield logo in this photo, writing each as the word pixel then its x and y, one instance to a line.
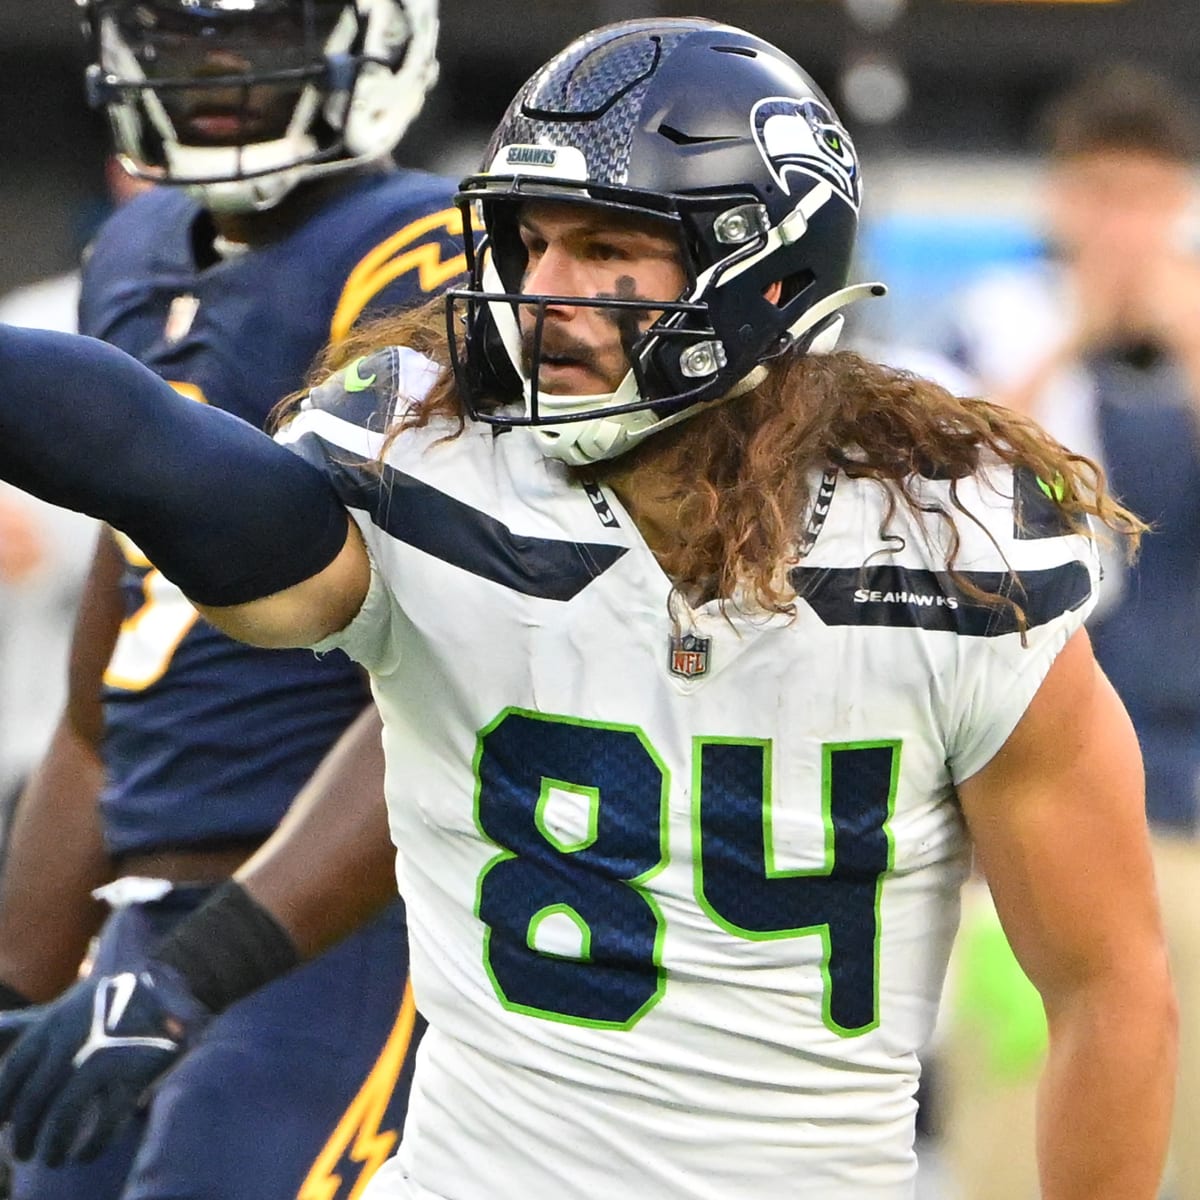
pixel 689 655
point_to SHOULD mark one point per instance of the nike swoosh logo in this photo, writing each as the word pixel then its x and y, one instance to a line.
pixel 354 380
pixel 119 995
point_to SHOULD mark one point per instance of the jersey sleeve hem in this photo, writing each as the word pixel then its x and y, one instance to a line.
pixel 1017 698
pixel 367 638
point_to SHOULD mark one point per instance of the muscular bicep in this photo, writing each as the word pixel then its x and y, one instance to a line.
pixel 306 612
pixel 1059 826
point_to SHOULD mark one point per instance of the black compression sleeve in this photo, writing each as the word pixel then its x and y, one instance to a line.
pixel 229 947
pixel 214 503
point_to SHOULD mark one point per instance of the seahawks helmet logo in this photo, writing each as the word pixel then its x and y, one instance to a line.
pixel 803 138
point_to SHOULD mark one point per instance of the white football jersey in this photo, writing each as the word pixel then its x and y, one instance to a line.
pixel 679 902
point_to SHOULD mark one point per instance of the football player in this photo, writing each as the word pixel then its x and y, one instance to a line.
pixel 704 654
pixel 281 219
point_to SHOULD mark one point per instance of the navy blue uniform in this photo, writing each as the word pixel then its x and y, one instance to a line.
pixel 208 740
pixel 1146 641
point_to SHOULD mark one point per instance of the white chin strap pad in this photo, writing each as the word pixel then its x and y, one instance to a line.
pixel 593 441
pixel 579 443
pixel 827 339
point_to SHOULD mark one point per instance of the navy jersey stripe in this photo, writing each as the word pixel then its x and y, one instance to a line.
pixel 902 597
pixel 429 520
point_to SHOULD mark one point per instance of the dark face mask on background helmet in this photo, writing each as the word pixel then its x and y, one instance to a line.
pixel 240 100
pixel 228 78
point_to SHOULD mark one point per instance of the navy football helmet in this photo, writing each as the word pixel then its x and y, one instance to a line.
pixel 240 100
pixel 728 140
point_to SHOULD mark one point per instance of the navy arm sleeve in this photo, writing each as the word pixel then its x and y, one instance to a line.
pixel 222 510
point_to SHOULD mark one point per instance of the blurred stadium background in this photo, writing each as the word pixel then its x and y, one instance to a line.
pixel 941 96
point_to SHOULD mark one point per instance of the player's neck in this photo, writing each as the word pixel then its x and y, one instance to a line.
pixel 270 224
pixel 651 494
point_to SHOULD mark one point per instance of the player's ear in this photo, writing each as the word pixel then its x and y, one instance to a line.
pixel 773 292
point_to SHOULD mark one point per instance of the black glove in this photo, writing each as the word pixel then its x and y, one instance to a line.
pixel 80 1066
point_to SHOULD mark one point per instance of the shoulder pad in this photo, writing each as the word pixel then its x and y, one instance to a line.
pixel 361 393
pixel 368 391
pixel 1013 541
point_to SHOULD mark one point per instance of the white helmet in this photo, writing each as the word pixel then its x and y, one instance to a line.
pixel 241 100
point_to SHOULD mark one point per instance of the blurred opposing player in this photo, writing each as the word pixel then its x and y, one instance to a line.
pixel 281 221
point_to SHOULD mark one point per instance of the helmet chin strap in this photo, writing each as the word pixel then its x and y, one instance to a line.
pixel 592 441
pixel 747 383
pixel 827 339
pixel 584 442
pixel 229 197
pixel 250 178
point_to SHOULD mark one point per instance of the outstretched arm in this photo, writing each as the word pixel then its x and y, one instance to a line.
pixel 1059 825
pixel 247 529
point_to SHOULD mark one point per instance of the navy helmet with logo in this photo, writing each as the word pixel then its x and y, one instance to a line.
pixel 693 122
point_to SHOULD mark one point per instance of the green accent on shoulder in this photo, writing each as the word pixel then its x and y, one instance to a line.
pixel 1056 491
pixel 356 383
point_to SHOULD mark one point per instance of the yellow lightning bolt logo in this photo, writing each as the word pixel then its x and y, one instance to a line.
pixel 395 257
pixel 358 1137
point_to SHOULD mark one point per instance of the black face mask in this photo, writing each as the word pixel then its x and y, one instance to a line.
pixel 186 45
pixel 227 72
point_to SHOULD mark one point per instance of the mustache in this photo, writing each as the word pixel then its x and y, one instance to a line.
pixel 556 345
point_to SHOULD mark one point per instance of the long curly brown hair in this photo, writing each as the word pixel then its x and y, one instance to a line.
pixel 739 472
